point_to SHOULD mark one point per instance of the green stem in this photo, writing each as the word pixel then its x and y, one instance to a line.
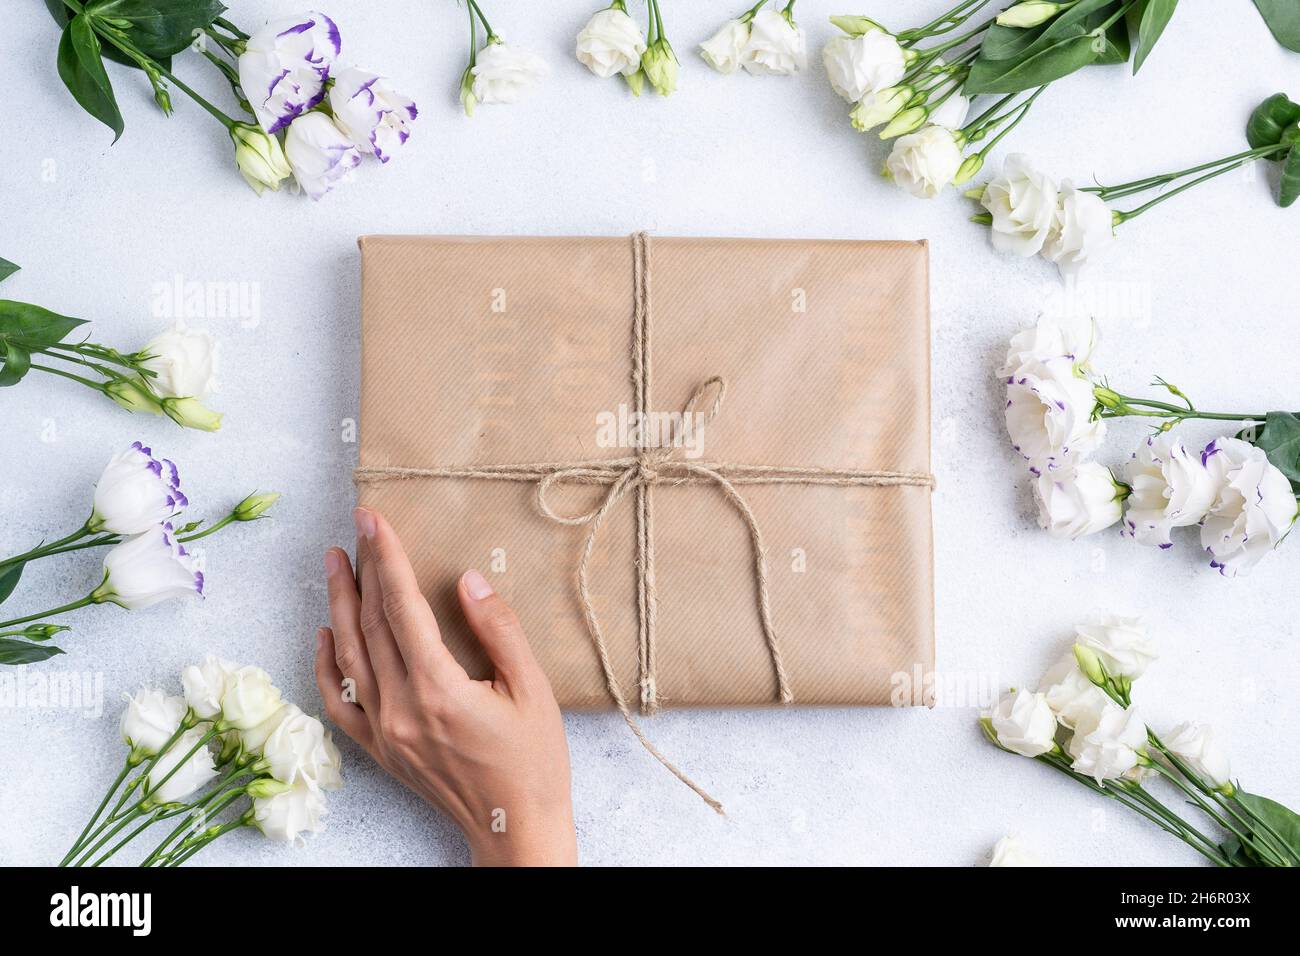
pixel 150 820
pixel 1125 215
pixel 43 549
pixel 1019 112
pixel 486 26
pixel 1209 811
pixel 186 539
pixel 97 386
pixel 126 769
pixel 1140 185
pixel 135 812
pixel 230 28
pixel 942 24
pixel 84 602
pixel 1167 410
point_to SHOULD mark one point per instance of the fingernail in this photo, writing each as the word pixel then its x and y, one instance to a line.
pixel 320 638
pixel 332 562
pixel 476 586
pixel 365 522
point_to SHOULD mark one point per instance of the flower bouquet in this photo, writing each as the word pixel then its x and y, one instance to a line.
pixel 764 40
pixel 229 737
pixel 1239 490
pixel 1083 724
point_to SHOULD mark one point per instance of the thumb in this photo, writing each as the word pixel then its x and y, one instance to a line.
pixel 497 627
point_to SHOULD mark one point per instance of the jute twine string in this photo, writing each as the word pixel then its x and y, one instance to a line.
pixel 639 474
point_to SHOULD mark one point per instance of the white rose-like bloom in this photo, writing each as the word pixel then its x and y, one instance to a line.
pixel 951 113
pixel 611 43
pixel 190 776
pixel 863 64
pixel 776 46
pixel 150 719
pixel 300 749
pixel 284 67
pixel 1052 336
pixel 205 684
pixel 286 816
pixel 370 113
pixel 1024 203
pixel 147 569
pixel 1172 488
pixel 184 363
pixel 1010 851
pixel 1049 415
pixel 1254 509
pixel 723 50
pixel 1079 502
pixel 1085 227
pixel 1197 746
pixel 249 698
pixel 254 738
pixel 1119 643
pixel 1108 745
pixel 502 72
pixel 321 156
pixel 925 162
pixel 1071 695
pixel 1024 723
pixel 136 493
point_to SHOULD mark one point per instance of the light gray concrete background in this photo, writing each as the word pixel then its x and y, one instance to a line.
pixel 1201 291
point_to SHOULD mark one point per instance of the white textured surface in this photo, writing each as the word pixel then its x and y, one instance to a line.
pixel 737 156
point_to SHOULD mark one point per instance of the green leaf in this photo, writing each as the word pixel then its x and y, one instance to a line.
pixel 1283 18
pixel 1059 59
pixel 158 28
pixel 1005 43
pixel 1269 120
pixel 1155 17
pixel 1290 188
pixel 20 652
pixel 9 580
pixel 1280 440
pixel 7 269
pixel 33 327
pixel 1283 822
pixel 17 363
pixel 82 72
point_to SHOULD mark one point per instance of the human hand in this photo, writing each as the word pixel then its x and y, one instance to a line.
pixel 491 754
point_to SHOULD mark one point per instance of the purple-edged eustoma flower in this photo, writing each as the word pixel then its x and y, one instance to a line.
pixel 148 569
pixel 321 156
pixel 284 67
pixel 370 113
pixel 135 493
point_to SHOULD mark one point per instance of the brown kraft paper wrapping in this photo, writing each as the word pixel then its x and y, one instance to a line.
pixel 495 351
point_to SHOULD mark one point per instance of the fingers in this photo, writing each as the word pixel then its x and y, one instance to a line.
pixel 349 644
pixel 385 658
pixel 410 620
pixel 333 687
pixel 494 622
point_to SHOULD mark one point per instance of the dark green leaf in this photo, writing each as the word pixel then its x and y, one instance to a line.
pixel 1155 17
pixel 82 72
pixel 7 269
pixel 1270 119
pixel 1290 189
pixel 158 28
pixel 1280 440
pixel 20 652
pixel 1005 43
pixel 9 580
pixel 1059 59
pixel 17 363
pixel 33 327
pixel 62 14
pixel 1283 18
pixel 1284 823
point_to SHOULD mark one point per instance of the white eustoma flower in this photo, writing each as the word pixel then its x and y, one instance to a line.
pixel 1197 746
pixel 1052 336
pixel 1254 509
pixel 1109 745
pixel 925 162
pixel 147 569
pixel 1024 203
pixel 1071 695
pixel 178 774
pixel 1119 644
pixel 284 67
pixel 259 157
pixel 723 50
pixel 1049 415
pixel 255 737
pixel 1024 723
pixel 136 493
pixel 951 113
pixel 502 72
pixel 286 816
pixel 205 684
pixel 858 65
pixel 370 113
pixel 150 719
pixel 1011 851
pixel 1078 502
pixel 1085 227
pixel 776 45
pixel 184 363
pixel 248 697
pixel 611 43
pixel 1172 488
pixel 321 156
pixel 300 749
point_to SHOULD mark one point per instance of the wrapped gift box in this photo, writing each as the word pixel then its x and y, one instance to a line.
pixel 483 358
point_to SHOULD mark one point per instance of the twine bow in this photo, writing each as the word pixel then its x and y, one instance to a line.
pixel 638 475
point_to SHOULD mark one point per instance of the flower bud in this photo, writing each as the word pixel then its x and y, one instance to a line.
pixel 970 166
pixel 1107 398
pixel 467 99
pixel 132 397
pixel 41 632
pixel 266 787
pixel 255 505
pixel 856 26
pixel 259 157
pixel 660 65
pixel 191 413
pixel 1030 13
pixel 905 122
pixel 635 81
pixel 1090 664
pixel 879 107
